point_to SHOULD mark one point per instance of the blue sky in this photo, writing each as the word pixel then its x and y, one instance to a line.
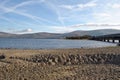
pixel 58 16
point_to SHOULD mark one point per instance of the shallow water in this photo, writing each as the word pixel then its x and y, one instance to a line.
pixel 51 43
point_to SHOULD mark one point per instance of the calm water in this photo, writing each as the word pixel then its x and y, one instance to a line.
pixel 50 43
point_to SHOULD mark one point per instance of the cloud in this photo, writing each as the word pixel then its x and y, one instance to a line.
pixel 6 19
pixel 93 26
pixel 101 15
pixel 56 7
pixel 79 6
pixel 29 30
pixel 74 13
pixel 56 10
pixel 87 26
pixel 93 14
pixel 116 6
pixel 35 18
pixel 62 29
pixel 24 4
pixel 67 7
pixel 109 14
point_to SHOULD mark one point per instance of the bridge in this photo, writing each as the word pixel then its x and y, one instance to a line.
pixel 114 38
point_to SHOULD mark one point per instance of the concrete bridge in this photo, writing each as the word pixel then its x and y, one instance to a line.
pixel 113 38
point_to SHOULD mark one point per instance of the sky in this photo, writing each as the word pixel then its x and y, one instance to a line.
pixel 58 16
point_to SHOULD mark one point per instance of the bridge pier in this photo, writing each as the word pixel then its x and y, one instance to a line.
pixel 118 44
pixel 108 40
pixel 104 40
pixel 113 41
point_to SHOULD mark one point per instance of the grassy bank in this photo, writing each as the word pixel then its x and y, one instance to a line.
pixel 60 64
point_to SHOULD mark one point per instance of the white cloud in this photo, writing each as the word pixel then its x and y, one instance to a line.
pixel 67 6
pixel 117 6
pixel 13 10
pixel 6 19
pixel 101 12
pixel 29 30
pixel 107 15
pixel 92 13
pixel 62 29
pixel 95 25
pixel 79 6
pixel 101 15
pixel 24 4
pixel 54 7
pixel 87 26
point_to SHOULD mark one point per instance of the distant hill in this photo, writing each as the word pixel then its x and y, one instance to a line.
pixel 93 32
pixel 6 35
pixel 41 35
pixel 45 35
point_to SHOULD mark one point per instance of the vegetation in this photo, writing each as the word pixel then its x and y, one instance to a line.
pixel 60 64
pixel 80 37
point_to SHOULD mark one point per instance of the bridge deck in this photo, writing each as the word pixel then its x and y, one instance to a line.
pixel 107 38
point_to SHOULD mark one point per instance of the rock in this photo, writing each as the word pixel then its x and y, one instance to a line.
pixel 2 56
pixel 56 60
pixel 51 63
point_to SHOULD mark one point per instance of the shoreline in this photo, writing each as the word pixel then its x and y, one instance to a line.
pixel 57 48
pixel 26 52
pixel 60 64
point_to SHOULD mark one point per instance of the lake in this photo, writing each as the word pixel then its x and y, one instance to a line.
pixel 51 43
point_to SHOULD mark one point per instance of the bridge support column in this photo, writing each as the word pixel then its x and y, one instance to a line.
pixel 118 44
pixel 107 40
pixel 104 40
pixel 113 41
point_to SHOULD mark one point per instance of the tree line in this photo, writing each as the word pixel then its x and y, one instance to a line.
pixel 79 37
